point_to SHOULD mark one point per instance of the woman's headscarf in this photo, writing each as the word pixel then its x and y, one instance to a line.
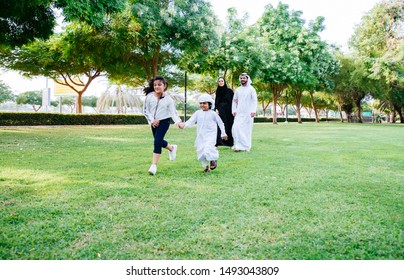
pixel 221 91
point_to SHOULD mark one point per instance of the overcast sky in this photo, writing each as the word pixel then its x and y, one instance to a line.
pixel 341 17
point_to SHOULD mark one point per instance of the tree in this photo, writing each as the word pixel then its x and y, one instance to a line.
pixel 306 102
pixel 21 21
pixel 203 83
pixel 70 102
pixel 172 33
pixel 379 41
pixel 33 98
pixel 90 101
pixel 296 93
pixel 318 66
pixel 5 93
pixel 279 30
pixel 392 103
pixel 379 38
pixel 77 56
pixel 84 51
pixel 354 82
pixel 293 54
pixel 235 53
pixel 52 59
pixel 328 102
pixel 324 68
pixel 93 13
pixel 264 95
pixel 321 104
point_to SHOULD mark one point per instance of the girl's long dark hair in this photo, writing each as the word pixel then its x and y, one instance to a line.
pixel 150 86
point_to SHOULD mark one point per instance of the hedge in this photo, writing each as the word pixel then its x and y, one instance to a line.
pixel 282 119
pixel 32 119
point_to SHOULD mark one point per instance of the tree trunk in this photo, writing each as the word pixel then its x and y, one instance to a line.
pixel 79 108
pixel 340 113
pixel 358 110
pixel 274 118
pixel 393 117
pixel 36 109
pixel 78 85
pixel 283 110
pixel 348 116
pixel 263 107
pixel 309 110
pixel 298 106
pixel 313 104
pixel 399 112
pixel 276 90
pixel 155 62
pixel 148 70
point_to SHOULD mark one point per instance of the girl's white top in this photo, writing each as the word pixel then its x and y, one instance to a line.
pixel 160 109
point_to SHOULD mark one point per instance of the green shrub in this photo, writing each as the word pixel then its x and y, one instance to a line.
pixel 32 119
pixel 22 119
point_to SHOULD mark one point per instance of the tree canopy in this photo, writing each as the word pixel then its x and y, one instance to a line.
pixel 293 54
pixel 77 56
pixel 171 33
pixel 379 42
pixel 131 41
pixel 33 98
pixel 6 93
pixel 21 21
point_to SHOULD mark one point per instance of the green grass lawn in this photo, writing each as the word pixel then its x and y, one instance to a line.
pixel 309 191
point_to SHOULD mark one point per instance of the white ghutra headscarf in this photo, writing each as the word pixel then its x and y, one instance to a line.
pixel 206 98
pixel 249 81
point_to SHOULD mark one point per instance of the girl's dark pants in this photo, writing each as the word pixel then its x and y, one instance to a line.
pixel 159 133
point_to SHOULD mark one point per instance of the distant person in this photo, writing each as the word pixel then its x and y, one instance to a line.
pixel 207 123
pixel 223 103
pixel 244 109
pixel 158 109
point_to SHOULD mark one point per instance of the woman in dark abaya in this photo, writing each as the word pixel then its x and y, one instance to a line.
pixel 223 103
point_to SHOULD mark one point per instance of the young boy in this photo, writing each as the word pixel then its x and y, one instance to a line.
pixel 206 132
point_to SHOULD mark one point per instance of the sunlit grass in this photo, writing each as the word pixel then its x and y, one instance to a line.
pixel 310 191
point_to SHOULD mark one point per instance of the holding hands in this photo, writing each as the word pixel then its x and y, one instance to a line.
pixel 155 123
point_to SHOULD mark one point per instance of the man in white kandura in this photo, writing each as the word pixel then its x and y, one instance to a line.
pixel 244 109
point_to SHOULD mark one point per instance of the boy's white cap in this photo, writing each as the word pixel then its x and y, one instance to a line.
pixel 206 98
